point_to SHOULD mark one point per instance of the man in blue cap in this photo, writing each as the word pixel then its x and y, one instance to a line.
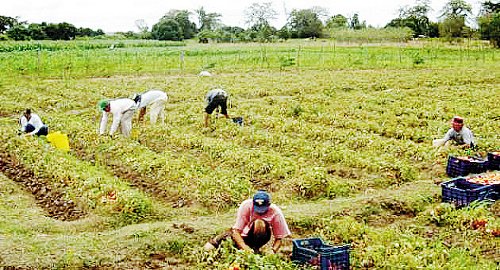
pixel 256 221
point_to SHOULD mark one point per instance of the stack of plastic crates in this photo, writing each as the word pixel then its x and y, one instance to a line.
pixel 315 252
pixel 462 167
pixel 461 192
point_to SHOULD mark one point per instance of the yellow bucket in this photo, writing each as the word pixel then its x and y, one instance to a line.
pixel 59 140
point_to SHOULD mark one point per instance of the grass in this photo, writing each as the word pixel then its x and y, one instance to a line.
pixel 341 138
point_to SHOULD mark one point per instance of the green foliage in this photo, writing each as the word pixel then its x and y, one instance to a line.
pixel 456 8
pixel 452 27
pixel 490 28
pixel 286 62
pixel 305 24
pixel 7 22
pixel 52 31
pixel 228 256
pixel 415 18
pixel 337 21
pixel 207 20
pixel 418 59
pixel 167 29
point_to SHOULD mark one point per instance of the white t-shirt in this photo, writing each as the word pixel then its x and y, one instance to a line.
pixel 151 96
pixel 117 108
pixel 34 120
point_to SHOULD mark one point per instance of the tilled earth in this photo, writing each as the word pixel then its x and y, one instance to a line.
pixel 48 198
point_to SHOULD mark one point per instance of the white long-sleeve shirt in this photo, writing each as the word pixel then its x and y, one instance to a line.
pixel 34 120
pixel 151 96
pixel 117 108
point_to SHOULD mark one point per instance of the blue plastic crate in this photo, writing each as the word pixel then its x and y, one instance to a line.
pixel 459 167
pixel 494 161
pixel 238 120
pixel 316 252
pixel 461 192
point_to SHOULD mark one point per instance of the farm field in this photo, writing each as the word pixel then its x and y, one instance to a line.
pixel 339 134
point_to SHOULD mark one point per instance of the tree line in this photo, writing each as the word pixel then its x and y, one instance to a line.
pixel 12 28
pixel 304 23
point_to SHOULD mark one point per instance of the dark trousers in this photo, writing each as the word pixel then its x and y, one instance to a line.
pixel 44 130
pixel 253 239
pixel 217 101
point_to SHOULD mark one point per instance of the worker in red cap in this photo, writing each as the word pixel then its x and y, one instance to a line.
pixel 256 221
pixel 459 133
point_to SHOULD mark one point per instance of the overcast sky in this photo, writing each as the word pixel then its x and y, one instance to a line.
pixel 113 15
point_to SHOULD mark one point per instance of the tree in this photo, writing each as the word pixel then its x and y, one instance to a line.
pixel 284 33
pixel 60 31
pixel 415 18
pixel 207 21
pixel 452 27
pixel 488 7
pixel 143 28
pixel 456 8
pixel 18 32
pixel 337 21
pixel 355 24
pixel 175 25
pixel 495 29
pixel 489 22
pixel 167 29
pixel 259 15
pixel 6 23
pixel 454 13
pixel 37 31
pixel 305 23
pixel 188 27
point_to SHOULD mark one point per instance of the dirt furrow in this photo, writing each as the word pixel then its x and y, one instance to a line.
pixel 47 197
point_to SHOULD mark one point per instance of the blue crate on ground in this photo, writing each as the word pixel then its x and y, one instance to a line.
pixel 461 192
pixel 316 252
pixel 459 167
pixel 238 120
pixel 494 161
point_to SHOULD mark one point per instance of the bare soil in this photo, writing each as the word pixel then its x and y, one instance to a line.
pixel 48 198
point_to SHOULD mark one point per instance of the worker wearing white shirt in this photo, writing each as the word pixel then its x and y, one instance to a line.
pixel 122 110
pixel 154 98
pixel 215 98
pixel 31 124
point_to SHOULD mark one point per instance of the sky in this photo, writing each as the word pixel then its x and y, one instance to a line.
pixel 121 15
